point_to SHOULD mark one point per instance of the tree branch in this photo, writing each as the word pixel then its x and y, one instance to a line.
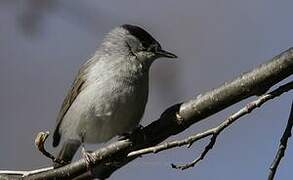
pixel 179 117
pixel 282 147
pixel 214 132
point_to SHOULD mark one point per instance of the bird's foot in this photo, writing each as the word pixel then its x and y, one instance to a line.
pixel 59 163
pixel 133 135
pixel 89 158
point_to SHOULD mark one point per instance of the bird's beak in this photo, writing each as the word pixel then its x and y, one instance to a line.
pixel 163 53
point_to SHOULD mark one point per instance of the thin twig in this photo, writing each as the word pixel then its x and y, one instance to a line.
pixel 25 173
pixel 282 147
pixel 201 156
pixel 40 144
pixel 214 132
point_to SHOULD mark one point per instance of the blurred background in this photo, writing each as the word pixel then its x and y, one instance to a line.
pixel 43 43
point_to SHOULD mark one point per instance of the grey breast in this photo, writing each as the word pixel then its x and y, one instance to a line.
pixel 112 103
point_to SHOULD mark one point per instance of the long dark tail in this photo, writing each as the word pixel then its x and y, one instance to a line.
pixel 56 137
pixel 67 151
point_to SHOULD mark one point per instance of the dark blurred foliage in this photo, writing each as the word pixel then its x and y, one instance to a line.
pixel 30 19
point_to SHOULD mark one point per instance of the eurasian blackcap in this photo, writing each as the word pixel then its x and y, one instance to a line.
pixel 110 92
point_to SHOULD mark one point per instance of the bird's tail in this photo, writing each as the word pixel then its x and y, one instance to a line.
pixel 67 151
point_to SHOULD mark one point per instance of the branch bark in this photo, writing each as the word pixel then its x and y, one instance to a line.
pixel 214 132
pixel 179 117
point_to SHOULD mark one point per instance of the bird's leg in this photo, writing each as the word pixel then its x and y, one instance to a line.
pixel 68 150
pixel 136 133
pixel 89 158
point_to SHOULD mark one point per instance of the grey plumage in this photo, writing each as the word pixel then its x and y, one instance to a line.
pixel 109 94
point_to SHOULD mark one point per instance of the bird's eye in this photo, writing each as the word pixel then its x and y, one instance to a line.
pixel 154 48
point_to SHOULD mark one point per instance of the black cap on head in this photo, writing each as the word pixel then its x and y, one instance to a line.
pixel 144 37
pixel 147 40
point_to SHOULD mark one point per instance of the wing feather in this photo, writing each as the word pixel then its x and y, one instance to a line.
pixel 77 86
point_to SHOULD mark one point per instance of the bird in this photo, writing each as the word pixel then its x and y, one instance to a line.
pixel 110 92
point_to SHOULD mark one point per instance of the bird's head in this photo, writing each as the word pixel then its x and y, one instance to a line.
pixel 135 41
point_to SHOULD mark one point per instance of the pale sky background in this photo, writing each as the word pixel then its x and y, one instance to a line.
pixel 42 44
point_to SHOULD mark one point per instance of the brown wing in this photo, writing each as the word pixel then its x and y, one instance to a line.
pixel 76 88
